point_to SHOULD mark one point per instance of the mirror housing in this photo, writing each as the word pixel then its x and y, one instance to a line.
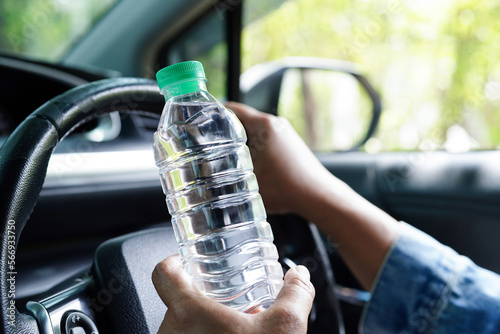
pixel 262 85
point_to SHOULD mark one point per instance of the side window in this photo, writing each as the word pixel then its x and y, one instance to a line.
pixel 434 63
pixel 205 42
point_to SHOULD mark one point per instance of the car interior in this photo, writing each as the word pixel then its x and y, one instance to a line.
pixel 80 195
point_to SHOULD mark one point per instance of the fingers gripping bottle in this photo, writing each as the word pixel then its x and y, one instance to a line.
pixel 225 242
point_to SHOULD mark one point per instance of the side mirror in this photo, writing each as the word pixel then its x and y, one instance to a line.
pixel 329 103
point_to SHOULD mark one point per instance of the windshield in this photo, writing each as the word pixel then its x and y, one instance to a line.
pixel 47 29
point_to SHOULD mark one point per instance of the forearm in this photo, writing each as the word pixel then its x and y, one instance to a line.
pixel 362 232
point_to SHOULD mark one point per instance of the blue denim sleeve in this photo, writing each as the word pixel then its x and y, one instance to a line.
pixel 426 287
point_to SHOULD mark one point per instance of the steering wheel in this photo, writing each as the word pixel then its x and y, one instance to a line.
pixel 117 294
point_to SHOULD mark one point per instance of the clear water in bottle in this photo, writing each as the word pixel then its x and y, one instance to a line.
pixel 218 216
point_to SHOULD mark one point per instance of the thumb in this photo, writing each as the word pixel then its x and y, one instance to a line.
pixel 293 303
pixel 171 281
pixel 297 289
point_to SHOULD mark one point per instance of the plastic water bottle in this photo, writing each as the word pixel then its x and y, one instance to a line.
pixel 206 172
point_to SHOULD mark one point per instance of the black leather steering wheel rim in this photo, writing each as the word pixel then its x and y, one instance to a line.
pixel 25 155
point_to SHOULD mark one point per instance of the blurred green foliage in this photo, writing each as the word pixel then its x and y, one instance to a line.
pixel 435 63
pixel 46 29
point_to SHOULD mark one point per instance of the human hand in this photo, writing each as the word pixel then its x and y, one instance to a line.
pixel 189 311
pixel 289 174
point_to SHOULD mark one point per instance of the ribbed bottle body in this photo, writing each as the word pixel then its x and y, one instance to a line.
pixel 212 195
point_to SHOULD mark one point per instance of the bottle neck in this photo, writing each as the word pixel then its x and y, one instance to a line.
pixel 184 87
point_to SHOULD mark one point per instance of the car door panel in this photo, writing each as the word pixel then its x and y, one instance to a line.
pixel 453 197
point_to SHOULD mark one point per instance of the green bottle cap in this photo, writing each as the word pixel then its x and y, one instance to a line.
pixel 180 74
